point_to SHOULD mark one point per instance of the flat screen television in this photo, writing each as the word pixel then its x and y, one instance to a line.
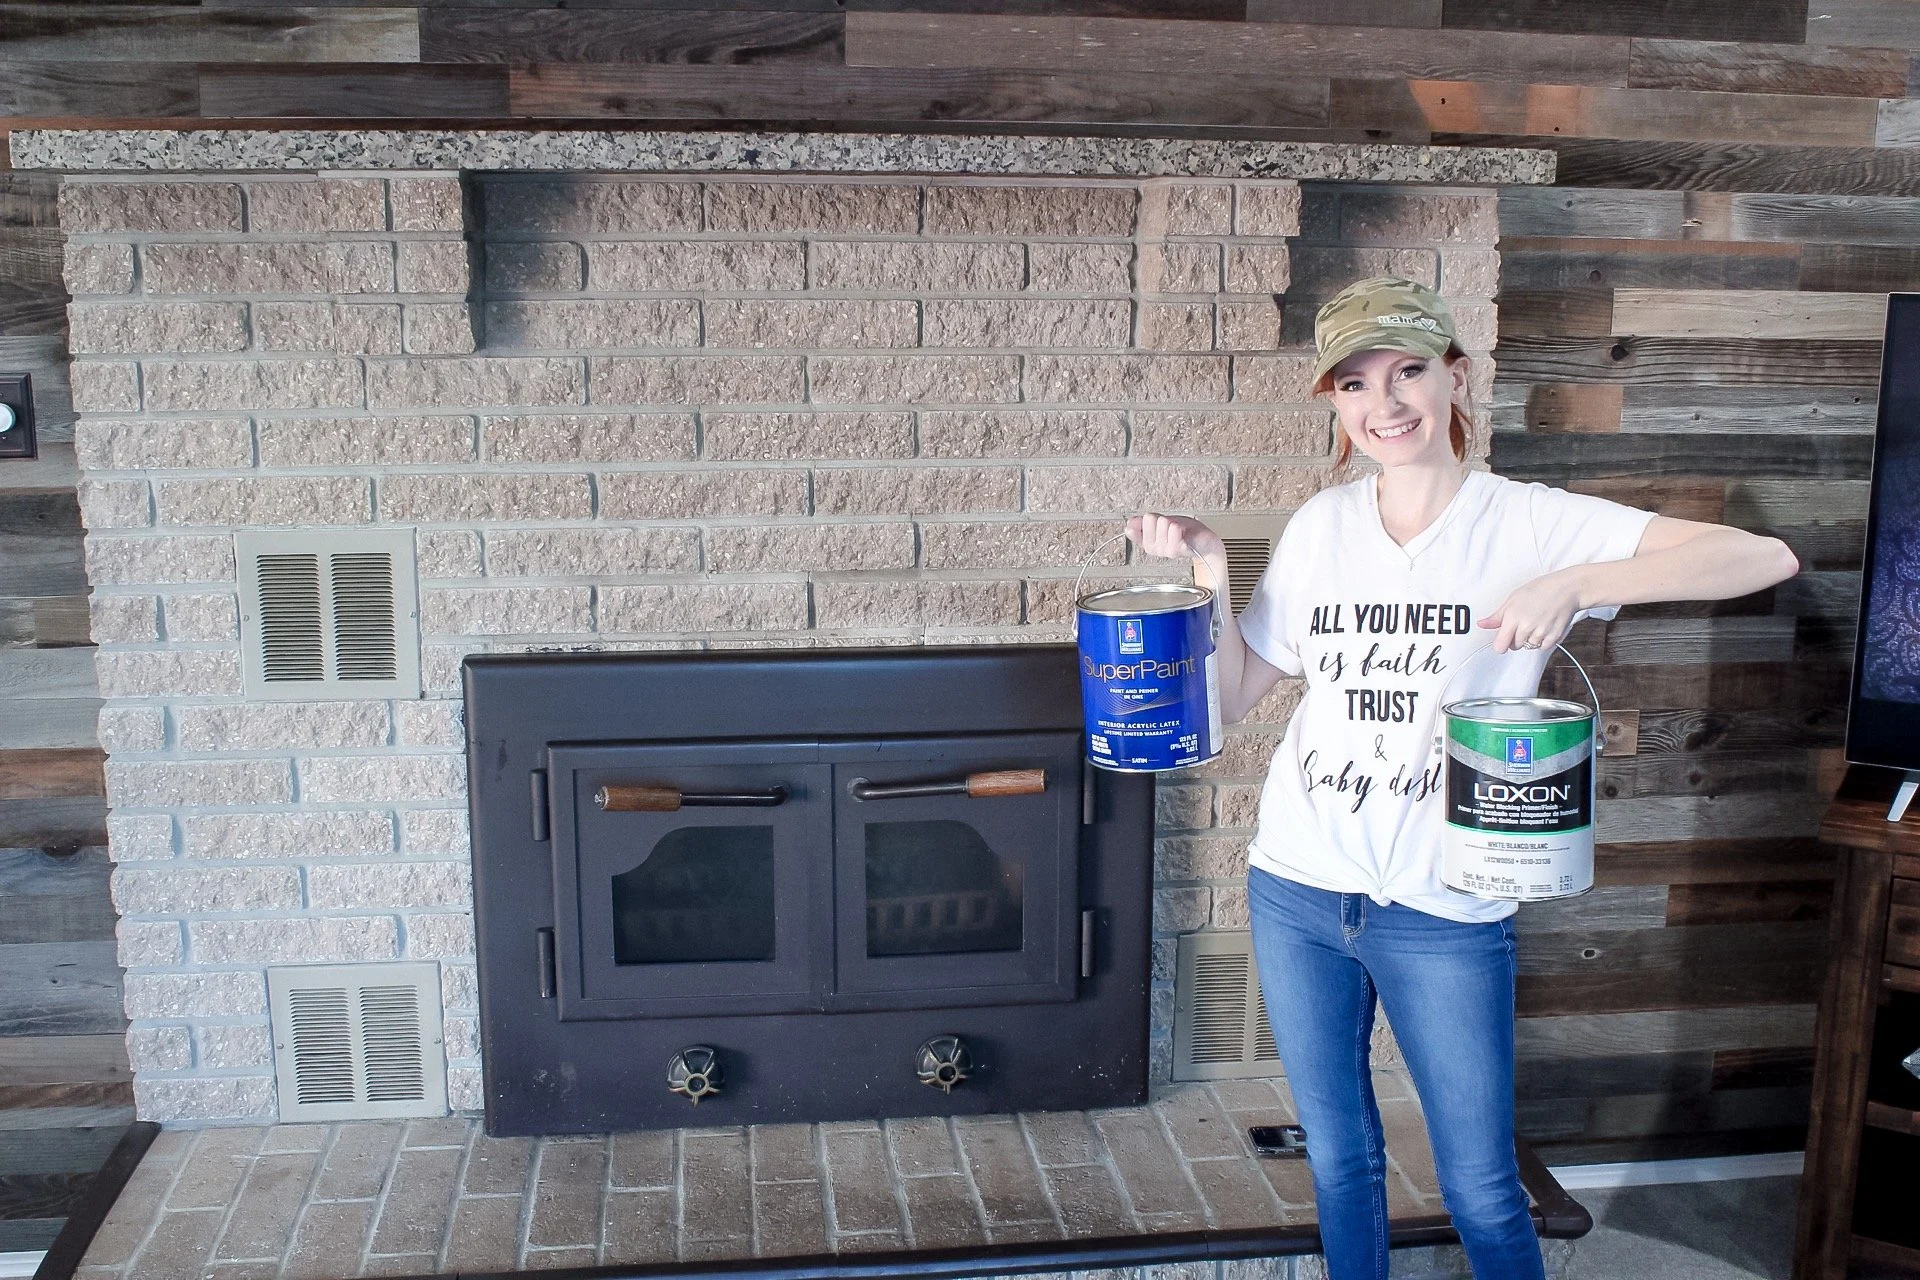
pixel 1883 711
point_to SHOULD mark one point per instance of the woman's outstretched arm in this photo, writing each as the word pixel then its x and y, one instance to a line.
pixel 1676 560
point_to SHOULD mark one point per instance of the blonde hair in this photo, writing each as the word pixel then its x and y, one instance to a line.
pixel 1459 425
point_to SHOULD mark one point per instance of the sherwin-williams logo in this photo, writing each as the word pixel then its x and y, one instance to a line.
pixel 1412 322
pixel 1131 639
pixel 1520 755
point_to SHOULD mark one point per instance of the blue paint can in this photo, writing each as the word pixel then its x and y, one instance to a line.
pixel 1147 680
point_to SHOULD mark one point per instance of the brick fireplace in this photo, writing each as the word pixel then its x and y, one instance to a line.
pixel 896 400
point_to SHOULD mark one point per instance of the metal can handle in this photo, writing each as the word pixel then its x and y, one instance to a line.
pixel 1439 710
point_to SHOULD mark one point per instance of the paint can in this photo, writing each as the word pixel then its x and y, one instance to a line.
pixel 1520 792
pixel 1148 685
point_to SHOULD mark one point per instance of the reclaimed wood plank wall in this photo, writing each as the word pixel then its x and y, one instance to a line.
pixel 1689 322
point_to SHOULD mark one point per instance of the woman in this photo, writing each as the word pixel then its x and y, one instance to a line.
pixel 1382 593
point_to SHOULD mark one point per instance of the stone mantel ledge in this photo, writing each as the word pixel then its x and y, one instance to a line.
pixel 315 150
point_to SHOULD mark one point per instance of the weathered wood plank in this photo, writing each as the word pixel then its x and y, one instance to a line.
pixel 1706 966
pixel 42 1118
pixel 1214 48
pixel 1767 20
pixel 1672 1031
pixel 1713 860
pixel 97 88
pixel 1891 23
pixel 131 33
pixel 60 1060
pixel 1717 166
pixel 523 36
pixel 1784 901
pixel 68 1093
pixel 30 674
pixel 1562 311
pixel 1554 214
pixel 1773 1115
pixel 1655 115
pixel 62 622
pixel 1538 1078
pixel 1758 503
pixel 1716 63
pixel 1196 10
pixel 1762 1068
pixel 1718 410
pixel 1566 406
pixel 1820 594
pixel 823 92
pixel 1805 727
pixel 54 472
pixel 41 545
pixel 1710 774
pixel 1700 498
pixel 55 899
pixel 1689 361
pixel 1756 313
pixel 1728 686
pixel 61 825
pixel 44 356
pixel 1545 262
pixel 42 773
pixel 1860 268
pixel 1826 219
pixel 1559 458
pixel 353 91
pixel 48 723
pixel 59 988
pixel 1605 907
pixel 1670 640
pixel 1338 13
pixel 1668 818
pixel 74 1150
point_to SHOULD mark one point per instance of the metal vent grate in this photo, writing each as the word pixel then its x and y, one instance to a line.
pixel 356 1042
pixel 363 621
pixel 328 614
pixel 1220 1028
pixel 291 644
pixel 1250 542
pixel 1246 560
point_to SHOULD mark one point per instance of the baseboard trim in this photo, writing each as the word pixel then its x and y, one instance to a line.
pixel 19 1266
pixel 1649 1173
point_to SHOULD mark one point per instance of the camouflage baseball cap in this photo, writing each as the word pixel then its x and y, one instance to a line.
pixel 1382 311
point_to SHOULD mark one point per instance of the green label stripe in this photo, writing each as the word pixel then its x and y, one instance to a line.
pixel 1489 737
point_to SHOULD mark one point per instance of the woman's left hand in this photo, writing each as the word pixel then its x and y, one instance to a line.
pixel 1537 615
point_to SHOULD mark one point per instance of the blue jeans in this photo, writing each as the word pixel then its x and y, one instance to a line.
pixel 1447 989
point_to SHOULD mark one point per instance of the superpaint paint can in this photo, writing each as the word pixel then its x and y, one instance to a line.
pixel 1148 685
pixel 1520 790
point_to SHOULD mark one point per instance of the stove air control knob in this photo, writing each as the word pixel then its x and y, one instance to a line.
pixel 942 1062
pixel 694 1073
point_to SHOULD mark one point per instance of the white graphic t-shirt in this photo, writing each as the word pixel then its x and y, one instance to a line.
pixel 1353 801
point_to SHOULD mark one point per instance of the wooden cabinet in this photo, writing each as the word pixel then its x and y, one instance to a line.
pixel 1862 1180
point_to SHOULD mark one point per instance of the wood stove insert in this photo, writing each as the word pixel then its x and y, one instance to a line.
pixel 742 887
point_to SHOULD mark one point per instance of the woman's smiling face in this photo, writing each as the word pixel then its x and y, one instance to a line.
pixel 1396 406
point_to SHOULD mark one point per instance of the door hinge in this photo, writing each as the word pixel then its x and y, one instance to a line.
pixel 1086 944
pixel 549 984
pixel 540 825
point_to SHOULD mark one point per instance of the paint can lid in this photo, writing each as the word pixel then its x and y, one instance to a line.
pixel 1153 597
pixel 1517 710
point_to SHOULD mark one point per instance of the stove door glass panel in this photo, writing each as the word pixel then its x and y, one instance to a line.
pixel 949 897
pixel 691 878
pixel 702 894
pixel 936 888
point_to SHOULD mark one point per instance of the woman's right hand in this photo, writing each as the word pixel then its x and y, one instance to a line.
pixel 1170 537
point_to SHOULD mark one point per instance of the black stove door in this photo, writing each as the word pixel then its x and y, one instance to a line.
pixel 945 898
pixel 690 878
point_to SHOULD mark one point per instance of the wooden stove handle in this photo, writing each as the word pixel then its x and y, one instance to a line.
pixel 1007 782
pixel 632 798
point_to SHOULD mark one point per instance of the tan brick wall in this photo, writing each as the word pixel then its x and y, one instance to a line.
pixel 700 411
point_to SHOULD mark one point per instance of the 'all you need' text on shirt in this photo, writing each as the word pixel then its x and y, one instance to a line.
pixel 1384 634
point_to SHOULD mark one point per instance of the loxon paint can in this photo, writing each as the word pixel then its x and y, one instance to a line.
pixel 1147 679
pixel 1520 788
